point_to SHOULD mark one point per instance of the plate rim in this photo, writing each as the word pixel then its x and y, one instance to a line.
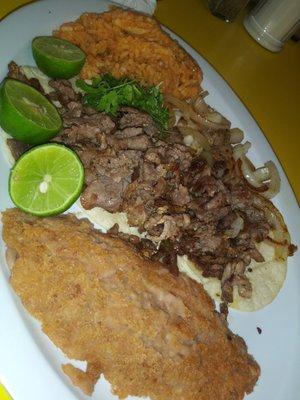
pixel 30 342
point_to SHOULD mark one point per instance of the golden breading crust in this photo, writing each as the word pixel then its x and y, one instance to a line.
pixel 84 380
pixel 126 43
pixel 150 333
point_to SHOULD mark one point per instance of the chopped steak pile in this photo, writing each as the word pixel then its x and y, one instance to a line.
pixel 186 204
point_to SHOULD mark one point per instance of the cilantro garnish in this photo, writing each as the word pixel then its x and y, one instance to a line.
pixel 108 94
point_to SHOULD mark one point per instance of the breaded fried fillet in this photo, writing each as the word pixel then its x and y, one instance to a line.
pixel 149 333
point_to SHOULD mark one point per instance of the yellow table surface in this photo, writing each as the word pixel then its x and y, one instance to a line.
pixel 268 83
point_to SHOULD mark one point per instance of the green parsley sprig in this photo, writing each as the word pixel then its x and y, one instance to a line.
pixel 108 94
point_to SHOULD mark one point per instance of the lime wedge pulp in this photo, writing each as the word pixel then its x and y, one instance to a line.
pixel 26 114
pixel 57 58
pixel 46 180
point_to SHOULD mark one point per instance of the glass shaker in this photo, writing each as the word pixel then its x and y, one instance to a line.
pixel 227 9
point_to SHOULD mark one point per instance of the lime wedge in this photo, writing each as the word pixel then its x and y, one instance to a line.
pixel 46 180
pixel 57 58
pixel 26 114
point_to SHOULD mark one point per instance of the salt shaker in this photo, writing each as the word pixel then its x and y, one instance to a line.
pixel 272 22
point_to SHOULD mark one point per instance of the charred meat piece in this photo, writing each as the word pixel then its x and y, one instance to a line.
pixel 14 71
pixel 109 174
pixel 140 142
pixel 17 148
pixel 130 117
pixel 100 120
pixel 63 91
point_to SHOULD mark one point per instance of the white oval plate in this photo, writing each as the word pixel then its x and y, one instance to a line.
pixel 29 362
